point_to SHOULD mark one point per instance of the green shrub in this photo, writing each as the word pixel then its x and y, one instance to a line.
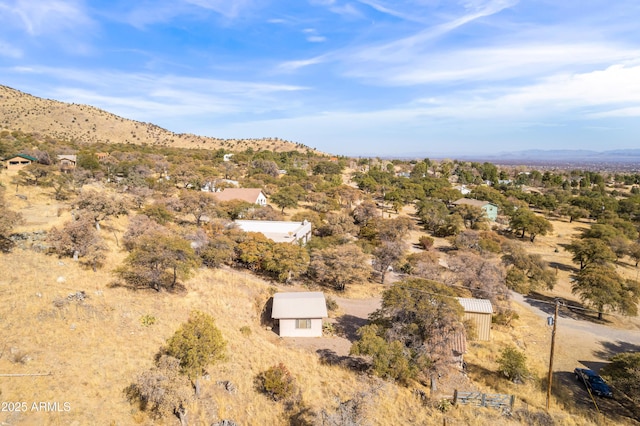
pixel 147 320
pixel 277 382
pixel 505 317
pixel 512 363
pixel 332 305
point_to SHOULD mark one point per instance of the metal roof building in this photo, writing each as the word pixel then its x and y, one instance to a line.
pixel 299 314
pixel 479 311
pixel 277 230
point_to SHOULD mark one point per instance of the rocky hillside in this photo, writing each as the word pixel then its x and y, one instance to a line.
pixel 87 124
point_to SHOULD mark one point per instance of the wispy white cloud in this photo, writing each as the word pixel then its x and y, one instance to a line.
pixel 313 36
pixel 374 59
pixel 410 47
pixel 226 8
pixel 290 66
pixel 9 50
pixel 382 8
pixel 347 9
pixel 47 17
pixel 150 97
pixel 142 14
pixel 495 63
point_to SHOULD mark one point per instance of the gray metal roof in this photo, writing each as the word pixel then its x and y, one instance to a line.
pixel 308 304
pixel 482 306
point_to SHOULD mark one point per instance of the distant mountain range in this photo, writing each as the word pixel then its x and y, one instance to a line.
pixel 563 155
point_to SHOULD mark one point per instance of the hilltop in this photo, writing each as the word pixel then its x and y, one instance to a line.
pixel 86 124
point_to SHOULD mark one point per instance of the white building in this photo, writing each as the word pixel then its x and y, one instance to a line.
pixel 299 314
pixel 277 230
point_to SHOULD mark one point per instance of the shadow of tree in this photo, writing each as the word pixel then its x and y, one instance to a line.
pixel 330 357
pixel 563 267
pixel 568 309
pixel 610 349
pixel 593 365
pixel 265 315
pixel 349 325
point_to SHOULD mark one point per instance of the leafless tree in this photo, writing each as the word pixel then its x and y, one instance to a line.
pixel 339 266
pixel 163 390
pixel 386 255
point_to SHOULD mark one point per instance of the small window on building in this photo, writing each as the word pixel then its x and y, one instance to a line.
pixel 303 323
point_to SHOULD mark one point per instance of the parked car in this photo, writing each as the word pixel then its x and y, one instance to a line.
pixel 593 382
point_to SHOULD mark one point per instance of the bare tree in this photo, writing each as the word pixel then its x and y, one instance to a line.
pixel 163 390
pixel 484 277
pixel 80 240
pixel 197 203
pixel 99 206
pixel 386 255
pixel 8 220
pixel 339 266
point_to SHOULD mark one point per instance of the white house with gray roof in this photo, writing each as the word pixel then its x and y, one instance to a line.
pixel 299 314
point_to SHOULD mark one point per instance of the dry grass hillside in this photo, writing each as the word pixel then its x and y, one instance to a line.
pixel 87 124
pixel 91 348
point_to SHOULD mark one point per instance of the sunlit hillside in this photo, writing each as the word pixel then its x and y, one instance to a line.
pixel 87 124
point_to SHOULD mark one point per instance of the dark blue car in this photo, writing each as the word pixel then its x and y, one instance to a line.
pixel 593 382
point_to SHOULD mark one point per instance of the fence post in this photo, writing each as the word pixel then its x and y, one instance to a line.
pixel 455 396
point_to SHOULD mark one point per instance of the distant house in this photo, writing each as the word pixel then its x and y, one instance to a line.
pixel 463 189
pixel 278 230
pixel 101 156
pixel 490 209
pixel 19 161
pixel 67 162
pixel 299 314
pixel 250 195
pixel 215 186
pixel 478 311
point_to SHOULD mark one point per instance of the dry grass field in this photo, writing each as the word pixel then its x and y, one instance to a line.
pixel 90 350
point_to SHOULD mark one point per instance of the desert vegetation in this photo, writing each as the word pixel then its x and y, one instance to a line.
pixel 129 286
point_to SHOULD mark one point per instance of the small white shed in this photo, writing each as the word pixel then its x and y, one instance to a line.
pixel 300 314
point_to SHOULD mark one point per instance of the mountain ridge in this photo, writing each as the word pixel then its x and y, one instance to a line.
pixel 88 124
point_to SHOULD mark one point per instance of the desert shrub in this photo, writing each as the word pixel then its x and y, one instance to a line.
pixel 332 305
pixel 533 418
pixel 245 330
pixel 471 329
pixel 277 382
pixel 505 317
pixel 162 390
pixel 147 320
pixel 328 329
pixel 512 363
pixel 197 343
pixel 426 242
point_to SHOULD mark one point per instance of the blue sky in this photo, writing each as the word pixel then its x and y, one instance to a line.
pixel 353 77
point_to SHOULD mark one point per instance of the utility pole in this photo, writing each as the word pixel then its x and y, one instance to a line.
pixel 553 343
